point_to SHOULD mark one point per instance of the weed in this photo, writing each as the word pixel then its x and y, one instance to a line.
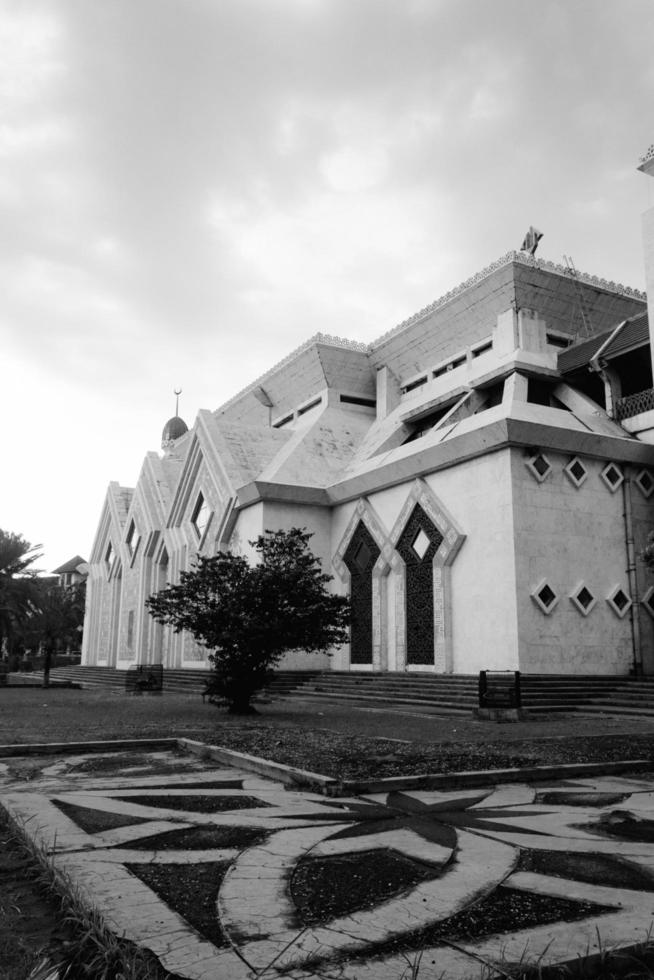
pixel 95 951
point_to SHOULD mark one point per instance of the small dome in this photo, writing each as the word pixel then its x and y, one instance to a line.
pixel 173 429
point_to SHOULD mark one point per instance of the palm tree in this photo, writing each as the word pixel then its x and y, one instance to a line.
pixel 54 621
pixel 17 583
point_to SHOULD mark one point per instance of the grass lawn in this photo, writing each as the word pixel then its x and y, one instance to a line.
pixel 336 740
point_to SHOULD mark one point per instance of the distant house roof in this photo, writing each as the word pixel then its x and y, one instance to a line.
pixel 70 566
pixel 634 335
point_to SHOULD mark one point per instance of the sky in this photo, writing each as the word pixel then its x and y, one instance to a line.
pixel 190 189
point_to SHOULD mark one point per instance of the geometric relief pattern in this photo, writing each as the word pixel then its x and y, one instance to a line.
pixel 583 598
pixel 619 601
pixel 539 466
pixel 417 547
pixel 360 559
pixel 577 850
pixel 364 514
pixel 410 578
pixel 544 596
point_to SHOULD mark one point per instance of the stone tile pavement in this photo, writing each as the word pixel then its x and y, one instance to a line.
pixel 470 842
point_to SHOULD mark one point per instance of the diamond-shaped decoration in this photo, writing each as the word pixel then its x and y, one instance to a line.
pixel 539 466
pixel 648 601
pixel 645 483
pixel 612 476
pixel 583 599
pixel 576 471
pixel 362 556
pixel 421 544
pixel 619 601
pixel 545 597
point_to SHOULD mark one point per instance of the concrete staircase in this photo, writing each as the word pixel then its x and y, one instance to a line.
pixel 632 697
pixel 176 681
pixel 455 694
pixel 452 694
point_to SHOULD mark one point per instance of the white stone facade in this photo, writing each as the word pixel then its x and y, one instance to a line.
pixel 456 482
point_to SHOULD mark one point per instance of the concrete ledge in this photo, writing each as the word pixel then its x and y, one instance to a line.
pixel 486 777
pixel 67 748
pixel 288 775
pixel 327 785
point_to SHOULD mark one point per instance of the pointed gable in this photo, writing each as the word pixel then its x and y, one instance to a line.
pixel 112 521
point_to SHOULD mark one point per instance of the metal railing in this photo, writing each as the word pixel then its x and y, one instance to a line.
pixel 626 408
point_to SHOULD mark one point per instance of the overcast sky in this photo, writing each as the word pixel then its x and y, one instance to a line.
pixel 189 189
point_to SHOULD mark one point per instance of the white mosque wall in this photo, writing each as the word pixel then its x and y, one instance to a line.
pixel 570 537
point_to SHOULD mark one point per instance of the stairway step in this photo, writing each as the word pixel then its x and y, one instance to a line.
pixel 446 693
pixel 445 707
pixel 618 709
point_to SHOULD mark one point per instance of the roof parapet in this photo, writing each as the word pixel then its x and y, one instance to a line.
pixel 647 161
pixel 523 258
pixel 317 338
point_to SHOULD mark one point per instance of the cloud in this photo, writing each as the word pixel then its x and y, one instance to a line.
pixel 30 53
pixel 355 168
pixel 189 190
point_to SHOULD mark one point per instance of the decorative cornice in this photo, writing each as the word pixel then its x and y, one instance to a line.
pixel 317 338
pixel 523 258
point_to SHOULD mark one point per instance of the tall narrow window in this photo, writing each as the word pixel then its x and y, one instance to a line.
pixel 360 558
pixel 417 546
pixel 133 538
pixel 109 558
pixel 201 516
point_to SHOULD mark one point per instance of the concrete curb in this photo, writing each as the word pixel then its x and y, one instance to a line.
pixel 328 785
pixel 288 775
pixel 485 777
pixel 67 748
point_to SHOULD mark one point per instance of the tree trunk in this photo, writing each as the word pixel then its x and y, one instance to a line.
pixel 242 707
pixel 47 661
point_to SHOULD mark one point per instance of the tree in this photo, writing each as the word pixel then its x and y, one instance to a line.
pixel 55 620
pixel 17 582
pixel 248 616
pixel 647 555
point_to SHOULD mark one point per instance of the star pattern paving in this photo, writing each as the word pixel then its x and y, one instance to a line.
pixel 577 856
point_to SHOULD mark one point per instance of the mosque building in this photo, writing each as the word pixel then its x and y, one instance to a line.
pixel 480 481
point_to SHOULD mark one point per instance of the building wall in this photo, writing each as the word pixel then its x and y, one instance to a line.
pixel 565 536
pixel 480 615
pixel 648 249
pixel 483 593
pixel 97 622
pixel 132 599
pixel 643 524
pixel 512 531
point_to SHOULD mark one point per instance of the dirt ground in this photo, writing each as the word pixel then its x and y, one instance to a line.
pixel 30 919
pixel 29 715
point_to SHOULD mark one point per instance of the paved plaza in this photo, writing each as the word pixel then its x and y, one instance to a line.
pixel 573 859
